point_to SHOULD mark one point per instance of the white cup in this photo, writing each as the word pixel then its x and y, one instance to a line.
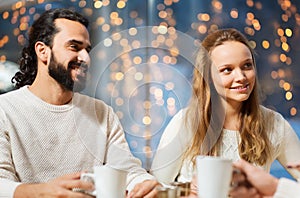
pixel 213 176
pixel 110 182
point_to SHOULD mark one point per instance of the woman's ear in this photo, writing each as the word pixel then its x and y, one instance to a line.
pixel 42 51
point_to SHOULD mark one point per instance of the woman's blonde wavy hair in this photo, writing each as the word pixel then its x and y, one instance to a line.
pixel 206 117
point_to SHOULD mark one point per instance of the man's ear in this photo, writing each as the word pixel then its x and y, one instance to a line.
pixel 42 51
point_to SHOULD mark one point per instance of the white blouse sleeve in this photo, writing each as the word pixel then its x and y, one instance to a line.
pixel 287 188
pixel 168 159
pixel 289 146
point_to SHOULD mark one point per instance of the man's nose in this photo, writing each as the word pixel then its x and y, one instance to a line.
pixel 84 56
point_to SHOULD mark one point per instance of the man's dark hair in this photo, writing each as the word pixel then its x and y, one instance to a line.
pixel 43 29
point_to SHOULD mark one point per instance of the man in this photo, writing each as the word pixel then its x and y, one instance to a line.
pixel 263 183
pixel 49 133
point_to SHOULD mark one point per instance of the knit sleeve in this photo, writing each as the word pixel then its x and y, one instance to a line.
pixel 7 172
pixel 168 159
pixel 287 188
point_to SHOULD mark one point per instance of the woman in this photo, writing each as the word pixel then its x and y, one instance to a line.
pixel 224 117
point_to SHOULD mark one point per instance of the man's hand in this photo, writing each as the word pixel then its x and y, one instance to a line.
pixel 145 189
pixel 59 187
pixel 262 183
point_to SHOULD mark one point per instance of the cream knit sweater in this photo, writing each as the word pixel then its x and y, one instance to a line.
pixel 40 141
pixel 168 162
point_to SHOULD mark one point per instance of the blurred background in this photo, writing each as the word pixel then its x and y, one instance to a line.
pixel 143 55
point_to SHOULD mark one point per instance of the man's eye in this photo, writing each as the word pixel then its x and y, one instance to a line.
pixel 74 47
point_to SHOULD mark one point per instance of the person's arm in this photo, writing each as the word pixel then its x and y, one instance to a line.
pixel 59 187
pixel 169 153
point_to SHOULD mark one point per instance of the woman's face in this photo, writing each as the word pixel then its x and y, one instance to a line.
pixel 233 71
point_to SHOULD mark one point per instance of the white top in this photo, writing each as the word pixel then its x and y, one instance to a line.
pixel 40 141
pixel 287 189
pixel 168 161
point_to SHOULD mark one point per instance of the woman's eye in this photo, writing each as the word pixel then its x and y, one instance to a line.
pixel 248 65
pixel 226 70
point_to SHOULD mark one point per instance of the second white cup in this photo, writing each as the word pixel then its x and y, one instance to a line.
pixel 213 176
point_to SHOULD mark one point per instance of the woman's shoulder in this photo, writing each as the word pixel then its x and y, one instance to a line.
pixel 270 113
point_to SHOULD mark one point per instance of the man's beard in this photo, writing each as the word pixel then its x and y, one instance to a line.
pixel 64 77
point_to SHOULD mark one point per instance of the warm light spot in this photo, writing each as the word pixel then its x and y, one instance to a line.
pixel 280 32
pixel 105 2
pixel 171 30
pixel 266 44
pixel 123 42
pixel 174 51
pixel 3 58
pixel 133 14
pixel 281 74
pixel 158 93
pixel 274 74
pixel 98 4
pixel 136 44
pixel 282 57
pixel 120 115
pixel 286 86
pixel 116 36
pixel 146 120
pixel 285 17
pixel 169 42
pixel 16 31
pixel 203 17
pixel 171 101
pixel 119 76
pixel 154 59
pixel 5 39
pixel 147 104
pixel 161 38
pixel 167 59
pixel 288 32
pixel 119 101
pixel 5 15
pixel 121 4
pixel 250 16
pixel 285 47
pixel 105 28
pixel 202 29
pixel 288 61
pixel 19 4
pixel 234 13
pixel 162 29
pixel 137 60
pixel 114 15
pixel 162 14
pixel 250 3
pixel 132 31
pixel 107 42
pixel 169 86
pixel 293 111
pixel 100 21
pixel 82 4
pixel 288 95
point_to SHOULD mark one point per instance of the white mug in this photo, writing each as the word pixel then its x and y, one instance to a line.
pixel 213 176
pixel 109 182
